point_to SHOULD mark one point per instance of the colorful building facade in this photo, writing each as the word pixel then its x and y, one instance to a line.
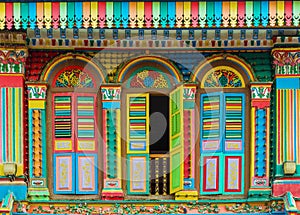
pixel 149 107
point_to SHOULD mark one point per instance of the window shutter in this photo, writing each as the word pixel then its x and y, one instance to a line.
pixel 176 140
pixel 85 115
pixel 222 143
pixel 75 143
pixel 210 143
pixel 138 144
pixel 86 136
pixel 63 123
pixel 234 143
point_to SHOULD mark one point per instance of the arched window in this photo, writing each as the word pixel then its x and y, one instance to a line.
pixel 152 126
pixel 224 123
pixel 73 137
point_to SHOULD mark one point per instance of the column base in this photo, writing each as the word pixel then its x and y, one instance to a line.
pixel 112 194
pixel 38 193
pixel 259 193
pixel 186 195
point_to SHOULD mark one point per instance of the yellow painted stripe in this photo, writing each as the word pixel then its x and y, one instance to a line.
pixel 140 9
pixel 252 143
pixel 94 10
pixel 47 10
pixel 118 139
pixel 17 132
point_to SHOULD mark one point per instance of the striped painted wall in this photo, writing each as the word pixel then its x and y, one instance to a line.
pixel 288 125
pixel 11 125
pixel 149 14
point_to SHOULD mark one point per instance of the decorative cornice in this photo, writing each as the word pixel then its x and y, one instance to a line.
pixel 148 14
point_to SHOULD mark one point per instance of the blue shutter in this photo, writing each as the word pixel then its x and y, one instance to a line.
pixel 222 128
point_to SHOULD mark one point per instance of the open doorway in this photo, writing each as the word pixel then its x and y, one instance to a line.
pixel 159 144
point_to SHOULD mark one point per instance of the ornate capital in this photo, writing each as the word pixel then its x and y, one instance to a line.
pixel 189 92
pixel 36 91
pixel 260 94
pixel 111 93
pixel 286 61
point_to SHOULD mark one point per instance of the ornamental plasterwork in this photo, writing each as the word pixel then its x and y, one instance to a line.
pixel 222 77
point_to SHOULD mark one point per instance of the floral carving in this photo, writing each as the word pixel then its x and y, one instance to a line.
pixel 74 78
pixel 222 78
pixel 148 79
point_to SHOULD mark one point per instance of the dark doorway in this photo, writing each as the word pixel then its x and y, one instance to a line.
pixel 159 144
pixel 159 124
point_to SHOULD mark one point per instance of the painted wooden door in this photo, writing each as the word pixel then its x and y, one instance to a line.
pixel 75 145
pixel 138 144
pixel 176 140
pixel 222 143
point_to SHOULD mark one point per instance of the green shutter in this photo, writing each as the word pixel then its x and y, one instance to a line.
pixel 138 144
pixel 176 140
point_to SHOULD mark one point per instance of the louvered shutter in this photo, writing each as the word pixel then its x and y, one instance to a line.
pixel 210 143
pixel 75 143
pixel 222 143
pixel 63 144
pixel 86 144
pixel 234 143
pixel 176 140
pixel 138 144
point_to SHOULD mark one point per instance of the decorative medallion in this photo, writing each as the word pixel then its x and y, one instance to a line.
pixel 74 78
pixel 224 77
pixel 148 79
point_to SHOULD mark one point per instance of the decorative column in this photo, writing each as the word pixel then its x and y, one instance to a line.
pixel 260 141
pixel 286 121
pixel 111 124
pixel 189 109
pixel 13 149
pixel 38 189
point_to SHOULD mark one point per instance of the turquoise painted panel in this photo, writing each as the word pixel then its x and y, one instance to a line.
pixel 288 83
pixel 19 191
pixel 111 105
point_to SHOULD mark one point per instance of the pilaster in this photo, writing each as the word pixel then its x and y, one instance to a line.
pixel 260 141
pixel 111 124
pixel 13 145
pixel 38 189
pixel 287 121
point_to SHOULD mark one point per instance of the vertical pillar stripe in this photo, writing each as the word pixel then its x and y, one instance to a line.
pixel 288 118
pixel 252 145
pixel 11 125
pixel 118 141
